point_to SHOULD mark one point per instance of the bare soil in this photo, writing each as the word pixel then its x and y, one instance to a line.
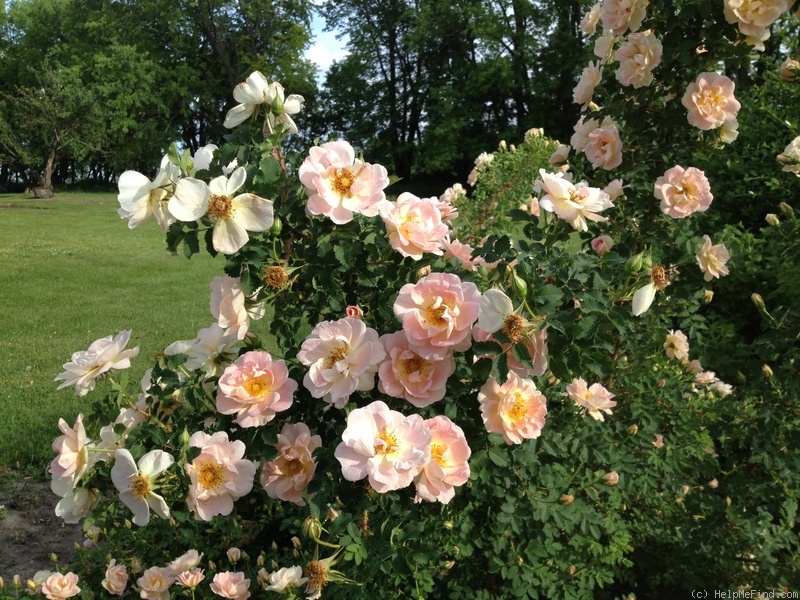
pixel 29 528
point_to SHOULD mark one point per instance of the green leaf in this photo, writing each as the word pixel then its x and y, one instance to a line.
pixel 270 169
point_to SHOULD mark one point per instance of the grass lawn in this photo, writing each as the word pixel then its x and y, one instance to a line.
pixel 72 272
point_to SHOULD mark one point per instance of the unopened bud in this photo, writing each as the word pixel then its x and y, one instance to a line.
pixel 354 312
pixel 611 478
pixel 31 584
pixel 661 383
pixel 260 560
pixel 448 525
pixel 312 528
pixel 184 439
pixel 520 561
pixel 277 227
pixel 758 301
pixel 713 484
pixel 786 209
pixel 212 565
pixel 277 105
pixel 772 220
pixel 566 499
pixel 708 296
pixel 633 429
pixel 520 287
pixel 449 564
pixel 2 583
pixel 53 557
pixel 513 148
pixel 789 70
pixel 634 264
pixel 766 370
pixel 503 145
pixel 17 581
pixel 741 377
pixel 572 570
pixel 234 554
pixel 136 565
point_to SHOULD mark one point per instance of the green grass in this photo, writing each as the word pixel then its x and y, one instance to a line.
pixel 72 272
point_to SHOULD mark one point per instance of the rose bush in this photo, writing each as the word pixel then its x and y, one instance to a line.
pixel 532 414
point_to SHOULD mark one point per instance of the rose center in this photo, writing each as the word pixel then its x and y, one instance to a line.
pixel 435 315
pixel 338 354
pixel 210 476
pixel 341 182
pixel 219 207
pixel 290 468
pixel 389 444
pixel 512 327
pixel 414 364
pixel 437 453
pixel 140 486
pixel 519 410
pixel 258 387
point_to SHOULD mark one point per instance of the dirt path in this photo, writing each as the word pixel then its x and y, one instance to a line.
pixel 30 529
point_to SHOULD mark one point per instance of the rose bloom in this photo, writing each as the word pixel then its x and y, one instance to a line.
pixel 136 483
pixel 211 350
pixel 448 466
pixel 536 343
pixel 405 374
pixel 604 46
pixel 790 157
pixel 190 579
pixel 712 259
pixel 414 225
pixel 789 70
pixel 284 579
pixel 185 562
pixel 710 101
pixel 228 305
pixel 516 409
pixel 602 244
pixel 581 136
pixel 103 356
pixel 659 442
pixel 219 475
pixel 77 504
pixel 232 214
pixel 590 20
pixel 604 146
pixel 462 253
pixel 343 357
pixel 447 209
pixel 729 131
pixel 438 313
pixel 595 399
pixel 250 94
pixel 575 204
pixel 139 197
pixel 683 192
pixel 338 184
pixel 638 56
pixel 590 77
pixel 73 457
pixel 58 586
pixel 383 445
pixel 754 17
pixel 154 583
pixel 677 345
pixel 254 388
pixel 231 585
pixel 286 476
pixel 621 15
pixel 614 189
pixel 559 157
pixel 116 579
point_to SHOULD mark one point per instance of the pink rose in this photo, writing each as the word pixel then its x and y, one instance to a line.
pixel 683 192
pixel 710 101
pixel 59 587
pixel 405 374
pixel 383 445
pixel 438 313
pixel 191 579
pixel 638 56
pixel 448 466
pixel 604 146
pixel 219 475
pixel 582 129
pixel 343 357
pixel 516 409
pixel 72 461
pixel 116 579
pixel 414 225
pixel 602 244
pixel 677 345
pixel 231 585
pixel 227 305
pixel 583 92
pixel 254 388
pixel 621 15
pixel 754 17
pixel 595 399
pixel 338 184
pixel 286 476
pixel 354 312
pixel 154 583
pixel 712 259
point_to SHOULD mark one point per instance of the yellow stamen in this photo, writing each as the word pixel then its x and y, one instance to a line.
pixel 434 315
pixel 341 182
pixel 520 409
pixel 437 453
pixel 258 387
pixel 140 486
pixel 211 476
pixel 513 327
pixel 413 365
pixel 389 443
pixel 338 354
pixel 219 207
pixel 317 575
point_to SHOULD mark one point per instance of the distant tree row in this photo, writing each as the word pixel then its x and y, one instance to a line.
pixel 90 88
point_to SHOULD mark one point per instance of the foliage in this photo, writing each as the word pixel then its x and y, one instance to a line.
pixel 672 487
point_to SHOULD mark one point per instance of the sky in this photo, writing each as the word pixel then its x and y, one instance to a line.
pixel 325 48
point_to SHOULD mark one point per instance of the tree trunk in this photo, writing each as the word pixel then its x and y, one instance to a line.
pixel 47 179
